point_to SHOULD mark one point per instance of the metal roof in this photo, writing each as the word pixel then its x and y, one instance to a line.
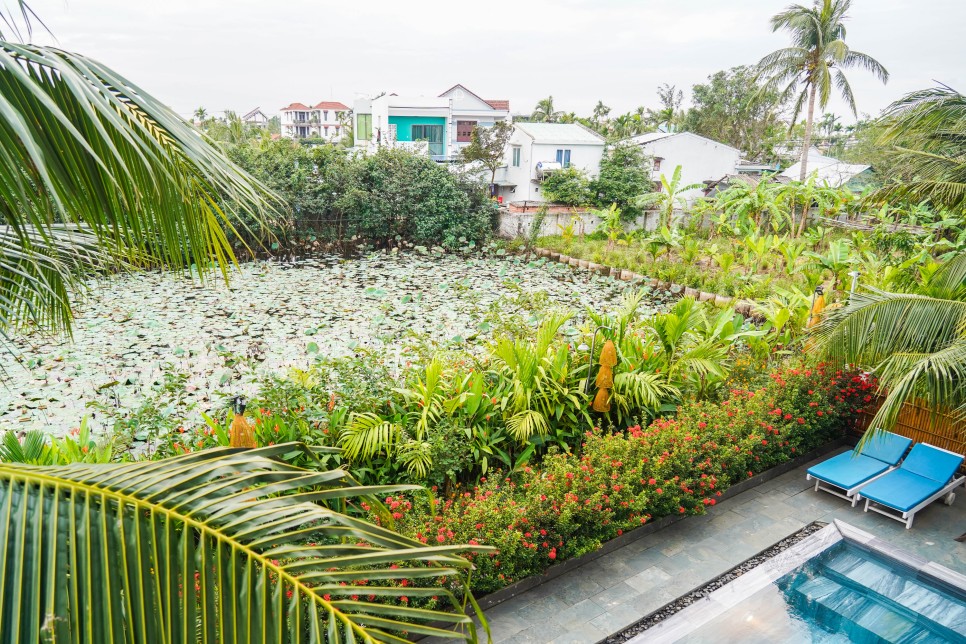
pixel 562 133
pixel 826 169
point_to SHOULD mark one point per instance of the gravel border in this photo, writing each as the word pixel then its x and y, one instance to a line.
pixel 685 600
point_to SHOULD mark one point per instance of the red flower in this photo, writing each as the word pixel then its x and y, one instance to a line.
pixel 552 554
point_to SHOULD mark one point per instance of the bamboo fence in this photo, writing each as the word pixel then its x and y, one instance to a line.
pixel 917 422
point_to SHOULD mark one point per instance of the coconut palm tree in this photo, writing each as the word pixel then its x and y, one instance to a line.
pixel 814 64
pixel 97 172
pixel 201 115
pixel 927 131
pixel 669 198
pixel 544 112
pixel 914 342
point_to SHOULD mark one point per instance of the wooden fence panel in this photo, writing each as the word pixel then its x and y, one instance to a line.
pixel 921 425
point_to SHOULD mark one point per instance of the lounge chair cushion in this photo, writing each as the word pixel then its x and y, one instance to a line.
pixel 848 469
pixel 932 463
pixel 886 447
pixel 901 489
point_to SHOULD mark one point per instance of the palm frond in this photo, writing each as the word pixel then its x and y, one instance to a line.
pixel 220 545
pixel 81 145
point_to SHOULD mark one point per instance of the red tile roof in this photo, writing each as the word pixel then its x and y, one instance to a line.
pixel 498 104
pixel 295 106
pixel 331 105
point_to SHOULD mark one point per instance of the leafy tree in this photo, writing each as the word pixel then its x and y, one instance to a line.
pixel 568 186
pixel 669 198
pixel 732 107
pixel 544 112
pixel 670 98
pixel 488 147
pixel 624 176
pixel 926 135
pixel 394 194
pixel 814 63
pixel 600 114
pixel 752 206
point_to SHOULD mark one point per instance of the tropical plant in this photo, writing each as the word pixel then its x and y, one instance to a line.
pixel 217 545
pixel 926 132
pixel 539 383
pixel 544 112
pixel 814 64
pixel 611 223
pixel 98 174
pixel 670 197
pixel 837 260
pixel 913 342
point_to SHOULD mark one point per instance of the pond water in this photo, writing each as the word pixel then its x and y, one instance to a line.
pixel 133 326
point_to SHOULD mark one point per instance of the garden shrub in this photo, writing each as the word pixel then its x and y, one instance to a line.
pixel 573 503
pixel 568 186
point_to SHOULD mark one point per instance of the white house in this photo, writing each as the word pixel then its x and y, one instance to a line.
pixel 437 125
pixel 702 160
pixel 468 111
pixel 325 120
pixel 538 149
pixel 828 170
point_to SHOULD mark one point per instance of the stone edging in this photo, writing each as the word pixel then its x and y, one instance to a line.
pixel 500 596
pixel 744 307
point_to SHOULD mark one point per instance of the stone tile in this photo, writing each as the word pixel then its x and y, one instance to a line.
pixel 606 571
pixel 650 579
pixel 578 614
pixel 619 618
pixel 538 633
pixel 576 589
pixel 541 610
pixel 644 560
pixel 582 634
pixel 615 596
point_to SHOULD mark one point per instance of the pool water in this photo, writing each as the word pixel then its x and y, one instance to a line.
pixel 843 595
pixel 838 585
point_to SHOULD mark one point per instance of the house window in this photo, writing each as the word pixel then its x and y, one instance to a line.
pixel 325 115
pixel 516 156
pixel 563 158
pixel 657 164
pixel 326 128
pixel 431 133
pixel 364 127
pixel 464 131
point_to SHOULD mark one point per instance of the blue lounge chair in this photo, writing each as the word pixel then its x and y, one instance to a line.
pixel 925 475
pixel 845 474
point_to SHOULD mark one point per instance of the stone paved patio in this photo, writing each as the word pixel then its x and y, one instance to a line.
pixel 610 593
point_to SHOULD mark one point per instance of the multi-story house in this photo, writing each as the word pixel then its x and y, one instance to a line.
pixel 326 120
pixel 438 126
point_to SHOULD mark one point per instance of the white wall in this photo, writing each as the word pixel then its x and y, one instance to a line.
pixel 700 159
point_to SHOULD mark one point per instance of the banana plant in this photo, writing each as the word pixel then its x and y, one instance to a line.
pixel 837 260
pixel 610 223
pixel 790 251
pixel 670 198
pixel 220 545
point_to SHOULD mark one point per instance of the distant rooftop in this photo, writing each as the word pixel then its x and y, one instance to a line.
pixel 331 105
pixel 826 169
pixel 295 106
pixel 564 133
pixel 650 137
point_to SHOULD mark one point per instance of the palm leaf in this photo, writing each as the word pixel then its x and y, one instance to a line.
pixel 222 545
pixel 82 146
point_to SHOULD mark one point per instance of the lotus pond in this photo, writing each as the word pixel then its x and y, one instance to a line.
pixel 134 329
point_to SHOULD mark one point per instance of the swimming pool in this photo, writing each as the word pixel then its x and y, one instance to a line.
pixel 838 585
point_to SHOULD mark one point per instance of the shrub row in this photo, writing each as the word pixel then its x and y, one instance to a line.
pixel 574 502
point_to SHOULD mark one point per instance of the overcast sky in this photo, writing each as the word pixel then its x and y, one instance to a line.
pixel 239 54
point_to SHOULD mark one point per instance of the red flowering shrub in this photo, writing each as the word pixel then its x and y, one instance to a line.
pixel 574 503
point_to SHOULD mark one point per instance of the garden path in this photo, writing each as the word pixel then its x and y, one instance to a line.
pixel 612 592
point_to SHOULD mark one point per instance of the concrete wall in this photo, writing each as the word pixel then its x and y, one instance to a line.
pixel 514 224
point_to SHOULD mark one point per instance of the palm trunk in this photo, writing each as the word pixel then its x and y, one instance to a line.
pixel 806 143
